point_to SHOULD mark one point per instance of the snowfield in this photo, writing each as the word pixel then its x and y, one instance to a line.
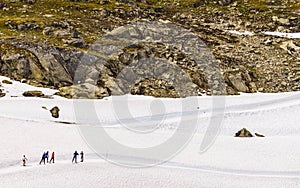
pixel 272 33
pixel 273 161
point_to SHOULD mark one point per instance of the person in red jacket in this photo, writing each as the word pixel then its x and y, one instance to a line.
pixel 52 158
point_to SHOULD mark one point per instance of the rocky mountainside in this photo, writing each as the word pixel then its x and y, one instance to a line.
pixel 53 44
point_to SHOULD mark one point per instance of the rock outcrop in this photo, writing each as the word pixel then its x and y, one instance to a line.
pixel 48 53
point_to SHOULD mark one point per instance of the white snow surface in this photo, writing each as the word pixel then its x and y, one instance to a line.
pixel 240 32
pixel 272 161
pixel 273 33
pixel 284 35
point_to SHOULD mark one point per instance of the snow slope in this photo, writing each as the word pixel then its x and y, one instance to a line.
pixel 273 161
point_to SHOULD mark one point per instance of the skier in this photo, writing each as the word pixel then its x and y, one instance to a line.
pixel 75 157
pixel 81 156
pixel 43 158
pixel 47 156
pixel 24 159
pixel 52 158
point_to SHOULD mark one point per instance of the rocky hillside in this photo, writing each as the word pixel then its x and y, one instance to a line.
pixel 45 43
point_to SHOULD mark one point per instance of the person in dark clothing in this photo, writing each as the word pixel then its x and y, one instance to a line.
pixel 24 159
pixel 75 157
pixel 47 156
pixel 52 158
pixel 81 156
pixel 43 158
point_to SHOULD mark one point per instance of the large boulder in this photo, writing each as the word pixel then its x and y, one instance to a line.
pixel 243 133
pixel 55 112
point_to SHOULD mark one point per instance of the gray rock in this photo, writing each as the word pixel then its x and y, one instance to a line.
pixel 237 83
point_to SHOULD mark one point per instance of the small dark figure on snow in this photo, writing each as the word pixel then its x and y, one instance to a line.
pixel 81 156
pixel 47 156
pixel 52 158
pixel 24 159
pixel 75 157
pixel 43 158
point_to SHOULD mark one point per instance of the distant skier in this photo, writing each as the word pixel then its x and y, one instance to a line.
pixel 43 158
pixel 24 159
pixel 75 157
pixel 81 156
pixel 47 156
pixel 52 157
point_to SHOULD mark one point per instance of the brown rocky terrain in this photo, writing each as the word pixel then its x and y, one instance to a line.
pixel 51 44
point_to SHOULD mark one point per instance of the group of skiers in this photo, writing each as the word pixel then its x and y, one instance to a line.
pixel 75 156
pixel 45 157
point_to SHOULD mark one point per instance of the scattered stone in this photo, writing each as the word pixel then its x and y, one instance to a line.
pixel 271 2
pixel 284 21
pixel 34 93
pixel 290 47
pixel 76 42
pixel 21 27
pixel 243 133
pixel 23 81
pixel 2 5
pixel 1 93
pixel 28 1
pixel 44 107
pixel 75 34
pixel 6 82
pixel 47 31
pixel 224 2
pixel 61 33
pixel 55 112
pixel 259 135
